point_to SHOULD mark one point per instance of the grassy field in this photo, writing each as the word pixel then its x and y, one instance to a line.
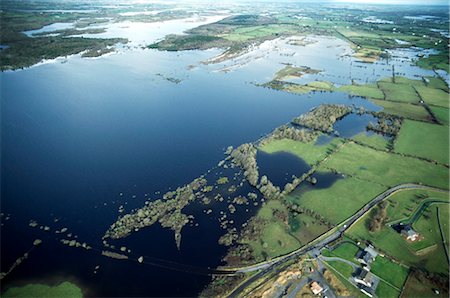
pixel 65 289
pixel 386 168
pixel 307 151
pixel 399 92
pixel 343 268
pixel 424 140
pixel 346 250
pixel 442 114
pixel 306 228
pixel 275 239
pixel 403 204
pixel 391 242
pixel 375 140
pixel 386 291
pixel 369 90
pixel 340 201
pixel 421 288
pixel 406 110
pixel 427 226
pixel 436 97
pixel 389 271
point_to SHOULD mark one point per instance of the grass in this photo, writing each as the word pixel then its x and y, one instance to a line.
pixel 427 226
pixel 65 289
pixel 369 90
pixel 344 268
pixel 392 243
pixel 437 83
pixel 403 204
pixel 346 250
pixel 421 288
pixel 340 201
pixel 386 168
pixel 405 110
pixel 399 92
pixel 424 140
pixel 435 97
pixel 442 114
pixel 374 140
pixel 393 273
pixel 386 291
pixel 275 239
pixel 306 228
pixel 307 151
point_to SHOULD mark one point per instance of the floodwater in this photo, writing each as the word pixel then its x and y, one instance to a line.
pixel 81 138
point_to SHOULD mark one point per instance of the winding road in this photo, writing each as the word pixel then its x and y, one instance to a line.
pixel 268 266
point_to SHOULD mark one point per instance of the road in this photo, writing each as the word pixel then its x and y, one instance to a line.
pixel 272 264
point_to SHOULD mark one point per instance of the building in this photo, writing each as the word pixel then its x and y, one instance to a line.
pixel 409 233
pixel 363 277
pixel 367 255
pixel 316 288
pixel 366 290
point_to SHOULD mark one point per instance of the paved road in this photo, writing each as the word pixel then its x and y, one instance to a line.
pixel 330 238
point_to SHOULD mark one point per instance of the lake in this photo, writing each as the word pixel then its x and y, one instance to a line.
pixel 83 137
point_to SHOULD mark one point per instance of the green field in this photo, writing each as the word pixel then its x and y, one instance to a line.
pixel 427 226
pixel 392 243
pixel 386 291
pixel 424 140
pixel 405 110
pixel 375 140
pixel 346 250
pixel 369 90
pixel 436 97
pixel 306 228
pixel 399 92
pixel 393 273
pixel 341 267
pixel 338 202
pixel 307 151
pixel 65 289
pixel 275 239
pixel 442 114
pixel 386 168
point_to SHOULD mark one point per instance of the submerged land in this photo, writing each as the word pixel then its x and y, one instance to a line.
pixel 361 214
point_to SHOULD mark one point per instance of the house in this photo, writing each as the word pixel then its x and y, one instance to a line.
pixel 316 288
pixel 366 290
pixel 409 233
pixel 363 277
pixel 367 255
pixel 363 257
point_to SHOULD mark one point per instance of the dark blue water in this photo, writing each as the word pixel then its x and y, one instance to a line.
pixel 77 135
pixel 280 166
pixel 353 124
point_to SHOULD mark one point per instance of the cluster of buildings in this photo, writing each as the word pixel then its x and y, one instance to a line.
pixel 362 276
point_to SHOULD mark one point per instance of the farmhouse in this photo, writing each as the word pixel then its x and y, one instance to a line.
pixel 316 288
pixel 363 277
pixel 409 233
pixel 367 255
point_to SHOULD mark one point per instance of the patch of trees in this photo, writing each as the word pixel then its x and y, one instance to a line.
pixel 167 211
pixel 386 124
pixel 245 157
pixel 292 133
pixel 229 237
pixel 379 217
pixel 269 191
pixel 323 117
